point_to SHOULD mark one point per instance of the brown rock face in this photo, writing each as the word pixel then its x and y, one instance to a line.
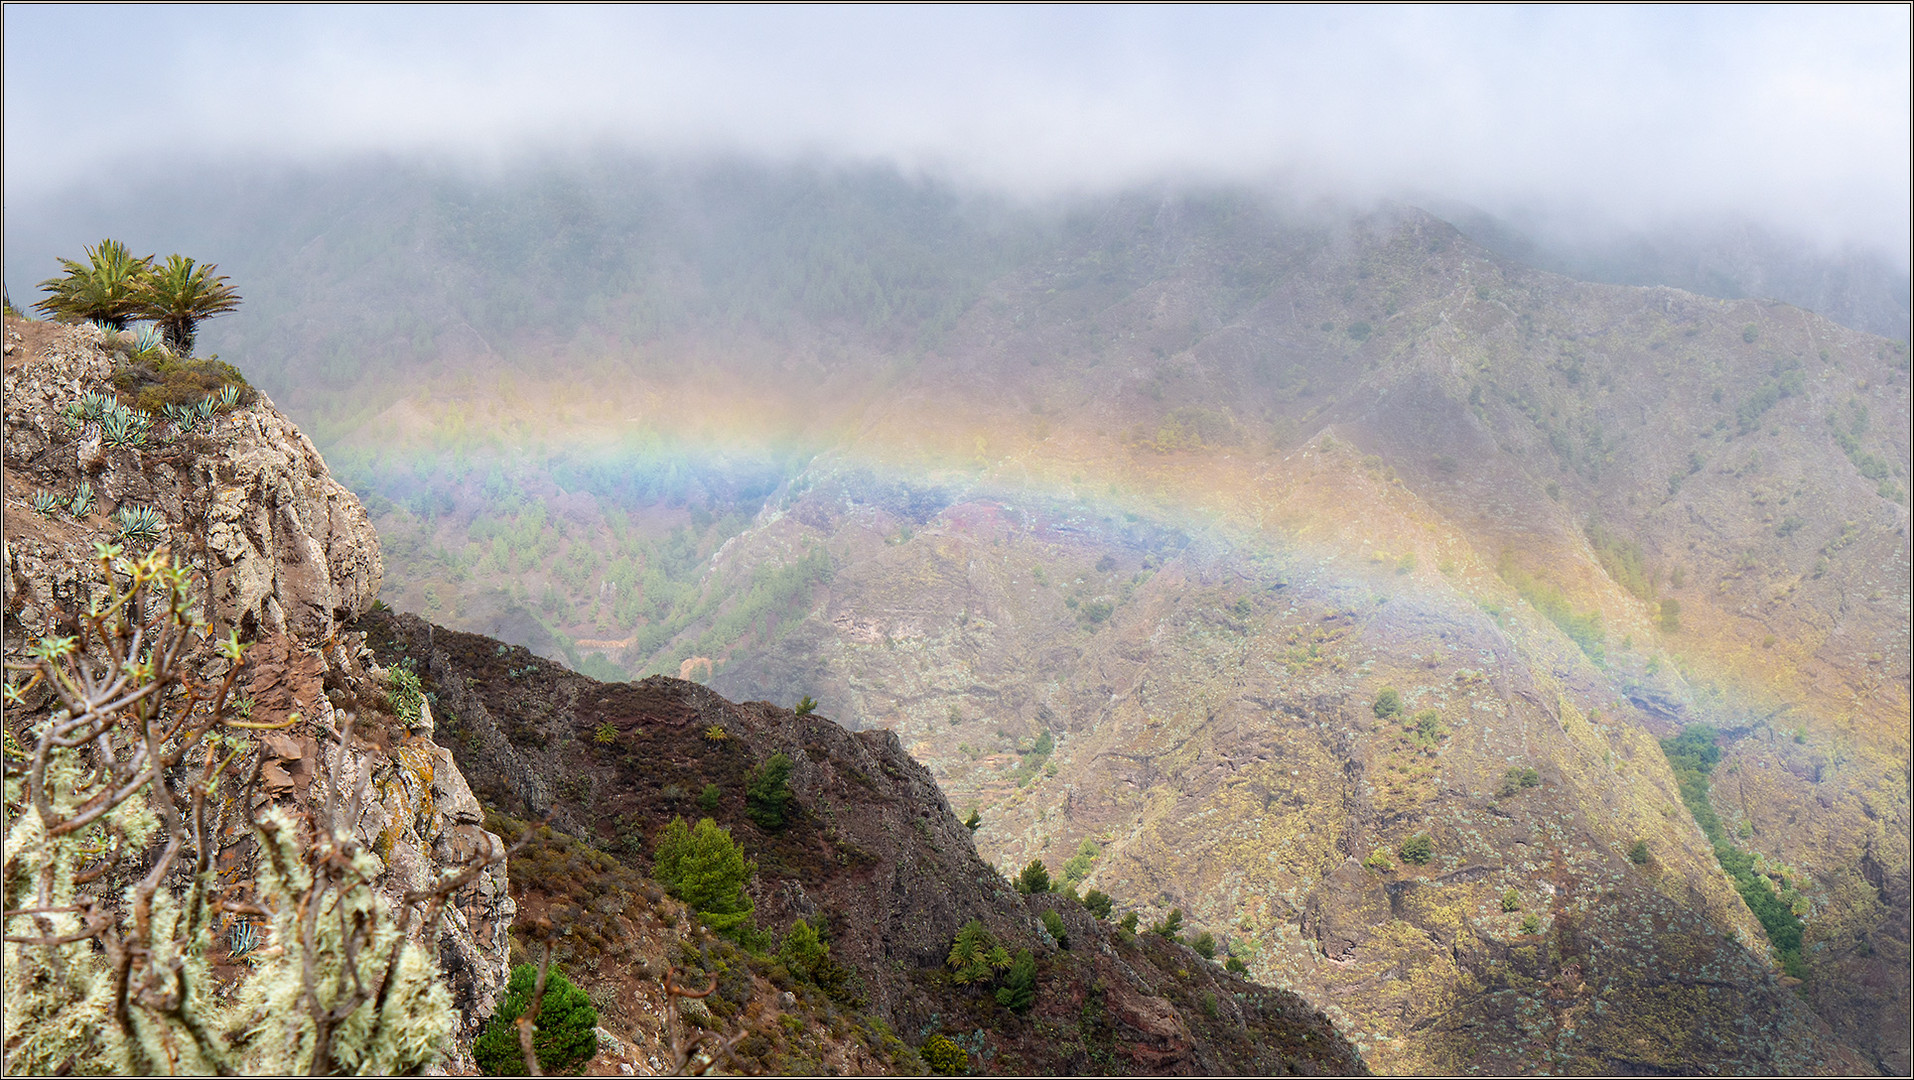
pixel 285 556
pixel 283 546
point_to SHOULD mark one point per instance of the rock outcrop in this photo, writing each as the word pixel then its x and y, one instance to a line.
pixel 286 557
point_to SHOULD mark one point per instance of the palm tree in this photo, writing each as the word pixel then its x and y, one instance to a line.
pixel 105 290
pixel 180 294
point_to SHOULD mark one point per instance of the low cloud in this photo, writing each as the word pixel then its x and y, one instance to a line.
pixel 1796 118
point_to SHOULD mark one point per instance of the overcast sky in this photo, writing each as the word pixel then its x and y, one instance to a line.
pixel 1796 117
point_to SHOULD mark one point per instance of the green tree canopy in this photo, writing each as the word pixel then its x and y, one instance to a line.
pixel 767 796
pixel 181 294
pixel 706 869
pixel 106 289
pixel 1098 902
pixel 1019 990
pixel 975 955
pixel 563 1034
pixel 1035 878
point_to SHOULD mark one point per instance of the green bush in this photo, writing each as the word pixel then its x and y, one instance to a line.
pixel 706 869
pixel 1128 924
pixel 1379 860
pixel 1531 924
pixel 1235 966
pixel 1205 945
pixel 805 706
pixel 975 821
pixel 708 798
pixel 802 951
pixel 945 1058
pixel 1078 866
pixel 975 956
pixel 1053 923
pixel 1019 990
pixel 1638 853
pixel 1517 779
pixel 1511 901
pixel 1098 902
pixel 404 696
pixel 562 1034
pixel 1034 879
pixel 1171 925
pixel 1388 703
pixel 1418 849
pixel 767 797
pixel 1671 615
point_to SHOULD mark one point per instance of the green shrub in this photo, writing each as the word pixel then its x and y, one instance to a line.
pixel 1379 860
pixel 562 1034
pixel 1531 924
pixel 1034 879
pixel 706 869
pixel 708 798
pixel 1205 945
pixel 974 821
pixel 975 956
pixel 1638 853
pixel 802 951
pixel 1671 615
pixel 767 797
pixel 1388 703
pixel 1171 925
pixel 1235 966
pixel 945 1058
pixel 1418 849
pixel 1128 924
pixel 1516 780
pixel 805 706
pixel 1511 901
pixel 1019 990
pixel 1078 866
pixel 1209 1004
pixel 403 695
pixel 1098 902
pixel 1053 923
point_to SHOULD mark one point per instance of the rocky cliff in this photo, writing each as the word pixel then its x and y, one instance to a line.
pixel 284 556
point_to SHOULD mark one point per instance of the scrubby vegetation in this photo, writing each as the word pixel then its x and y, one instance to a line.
pixel 564 1032
pixel 706 869
pixel 1693 755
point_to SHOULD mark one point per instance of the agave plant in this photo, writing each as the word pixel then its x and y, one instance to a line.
pixel 107 289
pixel 45 503
pixel 82 502
pixel 91 408
pixel 180 295
pixel 228 397
pixel 181 417
pixel 139 524
pixel 123 426
pixel 148 341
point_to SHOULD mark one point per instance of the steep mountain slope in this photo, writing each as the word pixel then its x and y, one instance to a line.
pixel 1416 467
pixel 871 856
